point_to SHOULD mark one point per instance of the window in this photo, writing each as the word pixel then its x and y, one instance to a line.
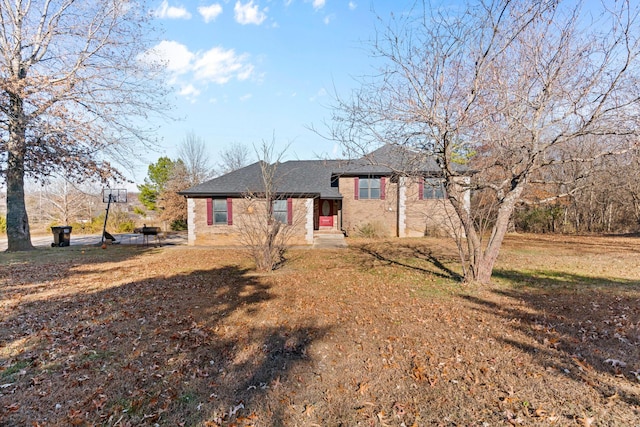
pixel 431 188
pixel 280 211
pixel 219 212
pixel 369 188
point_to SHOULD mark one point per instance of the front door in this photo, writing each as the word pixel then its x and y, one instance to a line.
pixel 326 213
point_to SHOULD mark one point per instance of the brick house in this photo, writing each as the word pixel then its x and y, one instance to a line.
pixel 386 192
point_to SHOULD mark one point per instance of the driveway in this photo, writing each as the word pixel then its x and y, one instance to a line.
pixel 95 239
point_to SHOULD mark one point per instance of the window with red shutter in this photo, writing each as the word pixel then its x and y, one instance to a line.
pixel 229 211
pixel 209 211
pixel 356 185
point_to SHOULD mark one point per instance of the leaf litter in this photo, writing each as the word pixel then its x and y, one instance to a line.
pixel 192 336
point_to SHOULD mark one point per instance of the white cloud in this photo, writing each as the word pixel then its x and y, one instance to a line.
pixel 352 5
pixel 327 19
pixel 246 97
pixel 174 55
pixel 249 13
pixel 188 70
pixel 164 11
pixel 210 13
pixel 318 4
pixel 189 91
pixel 218 65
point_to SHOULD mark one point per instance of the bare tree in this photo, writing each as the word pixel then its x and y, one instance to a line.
pixel 501 87
pixel 66 202
pixel 76 78
pixel 193 153
pixel 233 157
pixel 263 230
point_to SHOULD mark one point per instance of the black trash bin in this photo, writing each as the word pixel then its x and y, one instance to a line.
pixel 61 236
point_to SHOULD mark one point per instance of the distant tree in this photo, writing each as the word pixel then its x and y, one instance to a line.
pixel 506 88
pixel 233 157
pixel 193 154
pixel 75 79
pixel 65 202
pixel 173 207
pixel 158 175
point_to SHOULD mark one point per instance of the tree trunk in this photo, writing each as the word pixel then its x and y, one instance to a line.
pixel 18 235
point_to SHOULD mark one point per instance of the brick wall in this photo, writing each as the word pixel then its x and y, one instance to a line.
pixel 246 213
pixel 430 217
pixel 380 214
pixel 411 217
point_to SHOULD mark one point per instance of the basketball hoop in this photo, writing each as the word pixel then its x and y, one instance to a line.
pixel 111 195
pixel 114 195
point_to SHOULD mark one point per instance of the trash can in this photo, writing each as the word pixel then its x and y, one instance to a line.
pixel 61 236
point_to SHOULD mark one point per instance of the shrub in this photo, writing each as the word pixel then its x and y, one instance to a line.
pixel 178 225
pixel 140 211
pixel 3 224
pixel 539 219
pixel 370 230
pixel 125 226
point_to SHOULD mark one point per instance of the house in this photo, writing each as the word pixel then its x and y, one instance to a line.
pixel 388 192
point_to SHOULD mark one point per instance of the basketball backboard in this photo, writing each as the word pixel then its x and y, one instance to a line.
pixel 114 195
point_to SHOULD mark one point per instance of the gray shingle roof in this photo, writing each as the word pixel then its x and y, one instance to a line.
pixel 295 178
pixel 391 159
pixel 313 178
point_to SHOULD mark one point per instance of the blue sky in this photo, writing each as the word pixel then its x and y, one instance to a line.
pixel 242 71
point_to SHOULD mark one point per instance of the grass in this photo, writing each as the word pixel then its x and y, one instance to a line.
pixel 381 333
pixel 8 374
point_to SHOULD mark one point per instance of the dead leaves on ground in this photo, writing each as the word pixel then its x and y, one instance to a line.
pixel 185 347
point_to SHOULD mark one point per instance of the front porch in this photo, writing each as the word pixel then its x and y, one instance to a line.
pixel 327 216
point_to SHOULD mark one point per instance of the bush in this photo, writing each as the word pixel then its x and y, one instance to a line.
pixel 125 226
pixel 139 211
pixel 539 219
pixel 3 224
pixel 178 225
pixel 370 230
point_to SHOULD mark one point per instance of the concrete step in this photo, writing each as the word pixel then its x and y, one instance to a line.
pixel 329 241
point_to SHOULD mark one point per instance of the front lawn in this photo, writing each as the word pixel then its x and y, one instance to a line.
pixel 380 333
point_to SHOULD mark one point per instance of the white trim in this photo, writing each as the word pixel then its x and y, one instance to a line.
pixel 402 207
pixel 191 221
pixel 309 221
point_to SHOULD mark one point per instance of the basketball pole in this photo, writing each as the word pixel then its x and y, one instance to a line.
pixel 106 217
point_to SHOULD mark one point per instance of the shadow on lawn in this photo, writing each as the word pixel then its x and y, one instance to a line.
pixel 580 327
pixel 426 261
pixel 178 350
pixel 56 263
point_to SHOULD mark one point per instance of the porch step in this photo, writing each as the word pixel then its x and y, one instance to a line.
pixel 329 240
pixel 326 231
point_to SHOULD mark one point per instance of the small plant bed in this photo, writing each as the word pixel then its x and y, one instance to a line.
pixel 381 333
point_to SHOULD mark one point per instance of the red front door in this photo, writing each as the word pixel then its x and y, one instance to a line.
pixel 326 213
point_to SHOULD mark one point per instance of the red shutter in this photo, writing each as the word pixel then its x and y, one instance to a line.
pixel 209 211
pixel 289 211
pixel 382 187
pixel 421 189
pixel 356 185
pixel 229 211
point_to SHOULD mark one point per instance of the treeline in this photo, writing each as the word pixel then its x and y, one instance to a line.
pixel 606 200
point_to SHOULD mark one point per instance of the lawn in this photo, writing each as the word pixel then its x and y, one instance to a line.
pixel 379 334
